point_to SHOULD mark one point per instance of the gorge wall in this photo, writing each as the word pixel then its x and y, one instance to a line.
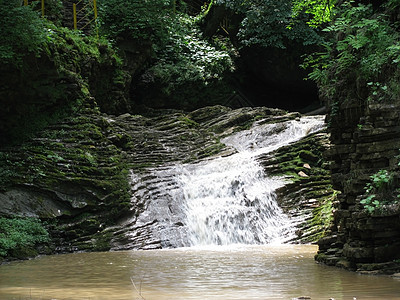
pixel 365 139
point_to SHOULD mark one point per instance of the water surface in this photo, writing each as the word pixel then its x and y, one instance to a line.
pixel 217 272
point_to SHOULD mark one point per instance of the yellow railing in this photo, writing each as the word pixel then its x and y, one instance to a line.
pixel 224 24
pixel 26 2
pixel 90 4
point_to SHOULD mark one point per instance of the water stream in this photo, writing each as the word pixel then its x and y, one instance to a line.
pixel 225 200
pixel 230 200
pixel 244 272
pixel 223 211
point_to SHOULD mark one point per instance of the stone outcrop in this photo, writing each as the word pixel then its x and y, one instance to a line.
pixel 365 139
pixel 59 81
pixel 98 179
pixel 308 195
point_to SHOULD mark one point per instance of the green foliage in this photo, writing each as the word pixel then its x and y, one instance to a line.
pixel 8 169
pixel 379 191
pixel 320 10
pixel 323 216
pixel 22 32
pixel 369 36
pixel 188 57
pixel 270 23
pixel 392 4
pixel 42 90
pixel 54 10
pixel 380 181
pixel 188 65
pixel 18 234
pixel 138 20
pixel 184 62
pixel 363 48
pixel 90 158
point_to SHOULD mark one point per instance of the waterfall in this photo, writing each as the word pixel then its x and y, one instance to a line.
pixel 221 200
pixel 230 200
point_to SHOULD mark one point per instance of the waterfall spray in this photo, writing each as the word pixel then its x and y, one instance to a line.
pixel 220 200
pixel 230 200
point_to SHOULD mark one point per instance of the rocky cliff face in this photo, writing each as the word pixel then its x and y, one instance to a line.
pixel 309 194
pixel 365 139
pixel 93 175
pixel 69 72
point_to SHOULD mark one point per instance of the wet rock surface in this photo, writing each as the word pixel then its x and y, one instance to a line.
pixel 100 180
pixel 308 197
pixel 364 141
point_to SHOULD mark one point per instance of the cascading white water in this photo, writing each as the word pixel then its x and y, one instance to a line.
pixel 230 200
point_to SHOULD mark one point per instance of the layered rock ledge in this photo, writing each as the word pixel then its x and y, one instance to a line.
pixel 365 139
pixel 91 177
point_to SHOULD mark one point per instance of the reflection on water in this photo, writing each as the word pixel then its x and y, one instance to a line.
pixel 231 272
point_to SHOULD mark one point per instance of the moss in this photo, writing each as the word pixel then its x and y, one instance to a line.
pixel 141 166
pixel 323 215
pixel 24 253
pixel 84 161
pixel 211 150
pixel 58 82
pixel 189 122
pixel 321 257
pixel 316 192
pixel 290 161
pixel 101 241
pixel 308 156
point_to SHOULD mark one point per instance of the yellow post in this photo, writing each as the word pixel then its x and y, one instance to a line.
pixel 95 9
pixel 74 10
pixel 25 2
pixel 95 18
pixel 42 8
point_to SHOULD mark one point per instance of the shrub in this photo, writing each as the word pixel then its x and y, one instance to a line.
pixel 188 58
pixel 269 23
pixel 137 20
pixel 362 49
pixel 21 32
pixel 20 234
pixel 379 191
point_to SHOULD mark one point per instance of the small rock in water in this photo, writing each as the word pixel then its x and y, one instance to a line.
pixel 396 275
pixel 302 174
pixel 302 298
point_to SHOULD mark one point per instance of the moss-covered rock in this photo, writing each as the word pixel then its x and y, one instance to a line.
pixel 308 193
pixel 69 70
pixel 91 175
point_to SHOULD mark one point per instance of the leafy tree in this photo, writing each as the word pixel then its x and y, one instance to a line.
pixel 320 10
pixel 22 31
pixel 189 57
pixel 188 66
pixel 271 23
pixel 183 62
pixel 361 48
pixel 138 20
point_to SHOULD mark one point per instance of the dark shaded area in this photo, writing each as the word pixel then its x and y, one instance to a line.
pixel 269 77
pixel 273 78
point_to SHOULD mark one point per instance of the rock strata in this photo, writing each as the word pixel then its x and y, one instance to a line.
pixel 307 198
pixel 100 180
pixel 364 141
